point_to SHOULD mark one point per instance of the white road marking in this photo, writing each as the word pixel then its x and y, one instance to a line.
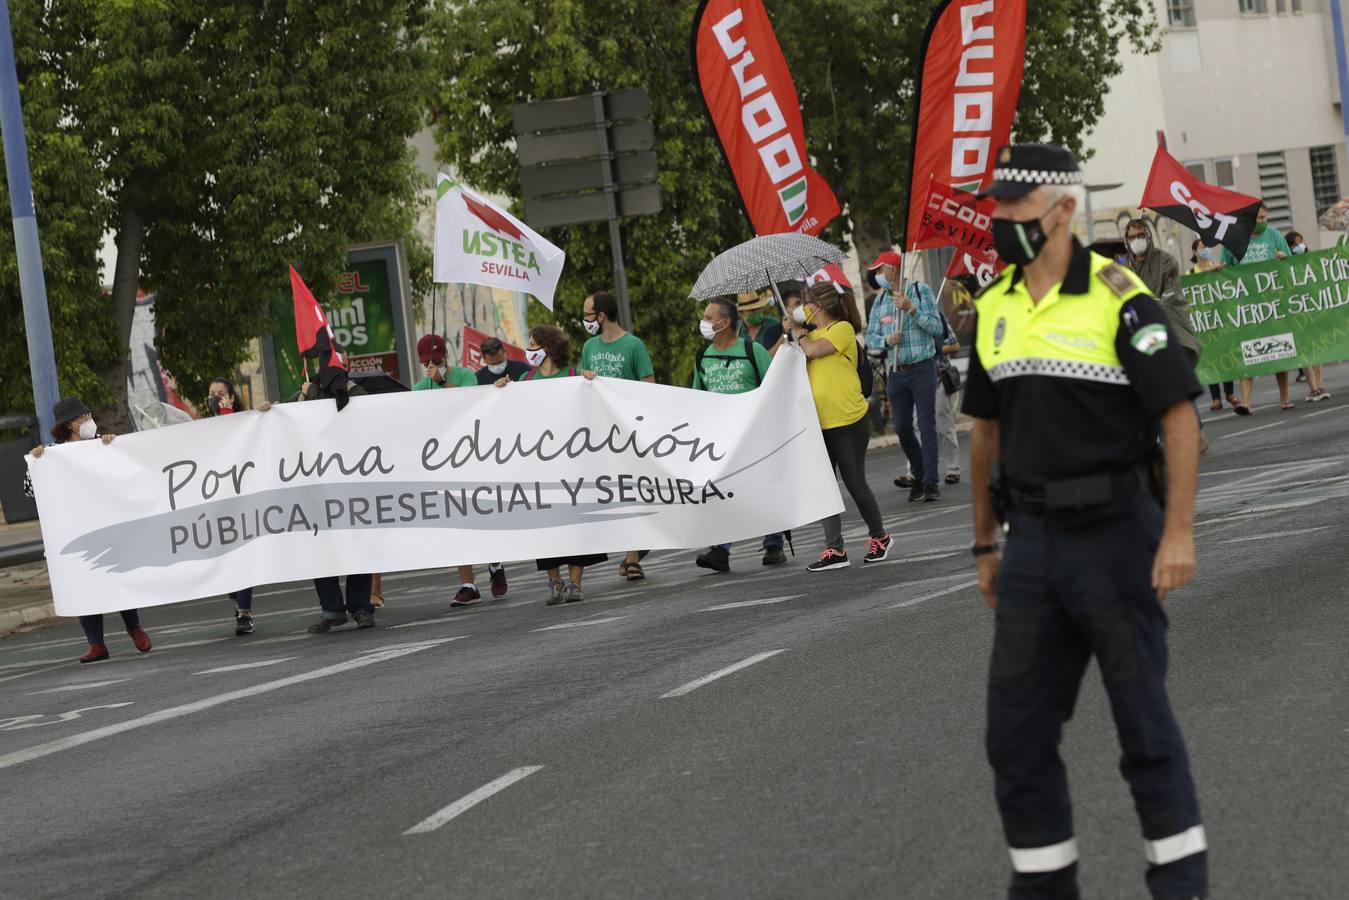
pixel 253 665
pixel 1324 411
pixel 64 664
pixel 27 721
pixel 78 687
pixel 765 602
pixel 1274 534
pixel 932 596
pixel 581 624
pixel 1244 431
pixel 443 620
pixel 468 801
pixel 415 644
pixel 720 673
pixel 303 636
pixel 175 712
pixel 929 558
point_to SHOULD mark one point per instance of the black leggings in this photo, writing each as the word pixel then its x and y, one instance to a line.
pixel 93 625
pixel 847 449
pixel 1227 390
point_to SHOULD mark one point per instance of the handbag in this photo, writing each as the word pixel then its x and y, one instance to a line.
pixel 950 379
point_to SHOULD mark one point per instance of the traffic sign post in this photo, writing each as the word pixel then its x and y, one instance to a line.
pixel 589 158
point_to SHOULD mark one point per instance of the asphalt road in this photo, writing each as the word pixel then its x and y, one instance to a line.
pixel 513 750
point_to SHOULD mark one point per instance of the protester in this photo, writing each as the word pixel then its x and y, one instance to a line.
pixel 948 401
pixel 1204 259
pixel 614 353
pixel 222 399
pixel 433 353
pixel 1313 375
pixel 906 331
pixel 825 324
pixel 549 352
pixel 496 365
pixel 333 605
pixel 1160 271
pixel 1266 244
pixel 731 364
pixel 758 322
pixel 75 423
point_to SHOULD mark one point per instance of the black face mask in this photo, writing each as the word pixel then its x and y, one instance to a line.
pixel 1019 242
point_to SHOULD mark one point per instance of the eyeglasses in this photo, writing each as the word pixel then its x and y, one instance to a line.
pixel 435 362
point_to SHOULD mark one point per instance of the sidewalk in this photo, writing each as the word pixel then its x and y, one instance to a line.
pixel 25 593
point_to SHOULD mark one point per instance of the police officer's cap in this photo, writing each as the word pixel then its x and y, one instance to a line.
pixel 1024 167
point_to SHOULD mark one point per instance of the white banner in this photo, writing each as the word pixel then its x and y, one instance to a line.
pixel 479 243
pixel 427 479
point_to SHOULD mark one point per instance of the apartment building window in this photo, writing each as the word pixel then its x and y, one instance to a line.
pixel 1297 6
pixel 1198 170
pixel 1254 7
pixel 1225 172
pixel 1180 13
pixel 1274 189
pixel 1325 180
pixel 1281 7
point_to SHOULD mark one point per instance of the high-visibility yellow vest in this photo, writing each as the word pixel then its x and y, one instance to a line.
pixel 1064 335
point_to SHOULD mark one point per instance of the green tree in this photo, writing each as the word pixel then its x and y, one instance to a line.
pixel 229 138
pixel 853 62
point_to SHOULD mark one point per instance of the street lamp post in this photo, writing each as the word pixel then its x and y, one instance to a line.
pixel 1341 67
pixel 32 285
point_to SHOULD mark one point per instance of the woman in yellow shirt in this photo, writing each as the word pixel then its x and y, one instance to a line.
pixel 826 324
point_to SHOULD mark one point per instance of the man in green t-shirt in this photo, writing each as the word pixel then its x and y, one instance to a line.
pixel 731 365
pixel 434 353
pixel 434 356
pixel 614 353
pixel 1266 244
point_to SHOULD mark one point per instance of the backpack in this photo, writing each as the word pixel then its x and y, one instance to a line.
pixel 866 376
pixel 529 376
pixel 749 354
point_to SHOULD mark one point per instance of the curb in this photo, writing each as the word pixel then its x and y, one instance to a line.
pixel 19 554
pixel 13 619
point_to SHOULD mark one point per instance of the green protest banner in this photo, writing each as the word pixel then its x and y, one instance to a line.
pixel 1271 317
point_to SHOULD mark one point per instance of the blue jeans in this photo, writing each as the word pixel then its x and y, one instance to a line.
pixel 916 388
pixel 770 542
pixel 357 599
pixel 243 600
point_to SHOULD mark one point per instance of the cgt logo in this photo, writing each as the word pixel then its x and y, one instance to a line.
pixel 973 97
pixel 763 121
pixel 1203 216
pixel 1268 349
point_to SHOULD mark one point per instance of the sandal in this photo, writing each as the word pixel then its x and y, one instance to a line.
pixel 1241 409
pixel 635 572
pixel 953 478
pixel 1289 405
pixel 1233 400
pixel 1215 406
pixel 377 601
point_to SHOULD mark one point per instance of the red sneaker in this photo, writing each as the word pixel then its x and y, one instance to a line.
pixel 140 639
pixel 95 653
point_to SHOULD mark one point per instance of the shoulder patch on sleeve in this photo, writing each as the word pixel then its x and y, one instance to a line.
pixel 1117 280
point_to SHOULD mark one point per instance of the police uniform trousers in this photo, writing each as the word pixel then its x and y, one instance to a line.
pixel 1066 594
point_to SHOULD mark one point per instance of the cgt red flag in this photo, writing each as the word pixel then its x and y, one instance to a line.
pixel 1217 215
pixel 748 92
pixel 313 334
pixel 955 218
pixel 969 80
pixel 983 266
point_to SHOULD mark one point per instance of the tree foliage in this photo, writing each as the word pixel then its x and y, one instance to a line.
pixel 226 139
pixel 854 64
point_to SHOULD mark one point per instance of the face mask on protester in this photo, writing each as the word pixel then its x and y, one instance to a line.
pixel 1260 227
pixel 883 280
pixel 88 430
pixel 708 329
pixel 536 357
pixel 1019 242
pixel 1206 253
pixel 1138 246
pixel 756 318
pixel 591 327
pixel 1299 249
pixel 801 315
pixel 497 368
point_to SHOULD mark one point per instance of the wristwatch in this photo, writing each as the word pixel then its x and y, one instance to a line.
pixel 983 549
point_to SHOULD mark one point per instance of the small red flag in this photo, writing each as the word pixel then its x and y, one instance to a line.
pixel 313 335
pixel 956 218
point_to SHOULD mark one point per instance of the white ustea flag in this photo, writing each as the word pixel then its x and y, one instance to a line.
pixel 477 243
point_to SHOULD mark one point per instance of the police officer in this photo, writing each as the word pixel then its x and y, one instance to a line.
pixel 1073 370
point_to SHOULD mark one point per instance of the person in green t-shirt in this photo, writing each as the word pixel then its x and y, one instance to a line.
pixel 614 353
pixel 433 353
pixel 1266 244
pixel 549 352
pixel 731 364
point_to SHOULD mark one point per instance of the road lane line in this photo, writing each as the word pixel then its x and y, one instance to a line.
pixel 934 595
pixel 743 603
pixel 581 624
pixel 720 673
pixel 468 801
pixel 442 620
pixel 65 664
pixel 238 666
pixel 78 687
pixel 1273 534
pixel 175 712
